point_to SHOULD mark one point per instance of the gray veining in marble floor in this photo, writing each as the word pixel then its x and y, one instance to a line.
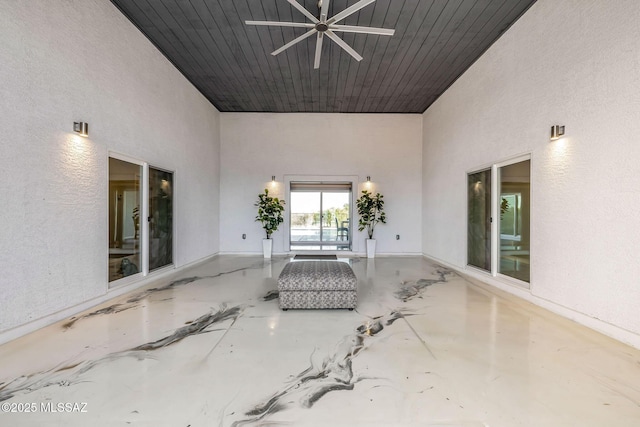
pixel 425 347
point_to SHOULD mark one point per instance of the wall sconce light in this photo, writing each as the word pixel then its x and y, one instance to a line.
pixel 368 178
pixel 273 178
pixel 556 132
pixel 82 128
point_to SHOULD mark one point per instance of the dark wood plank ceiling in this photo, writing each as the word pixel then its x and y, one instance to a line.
pixel 230 62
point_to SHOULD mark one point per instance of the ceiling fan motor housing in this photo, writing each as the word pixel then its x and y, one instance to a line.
pixel 321 27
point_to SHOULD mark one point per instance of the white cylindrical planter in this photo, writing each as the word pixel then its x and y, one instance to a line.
pixel 267 245
pixel 371 248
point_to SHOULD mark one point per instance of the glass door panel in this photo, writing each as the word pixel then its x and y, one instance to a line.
pixel 160 218
pixel 479 219
pixel 125 200
pixel 335 220
pixel 515 254
pixel 305 220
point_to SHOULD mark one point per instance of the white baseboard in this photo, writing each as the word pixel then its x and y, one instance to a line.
pixel 392 254
pixel 345 253
pixel 247 253
pixel 34 325
pixel 612 331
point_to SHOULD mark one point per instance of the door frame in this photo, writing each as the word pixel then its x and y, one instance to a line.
pixel 495 223
pixel 355 187
pixel 144 223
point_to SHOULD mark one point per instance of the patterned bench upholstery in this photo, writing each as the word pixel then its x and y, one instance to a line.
pixel 317 284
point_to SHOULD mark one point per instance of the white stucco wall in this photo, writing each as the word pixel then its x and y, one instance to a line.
pixel 82 60
pixel 386 147
pixel 574 63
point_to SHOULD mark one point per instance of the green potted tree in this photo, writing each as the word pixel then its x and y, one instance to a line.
pixel 270 216
pixel 371 212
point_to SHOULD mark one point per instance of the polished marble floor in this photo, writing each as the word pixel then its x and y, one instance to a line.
pixel 425 347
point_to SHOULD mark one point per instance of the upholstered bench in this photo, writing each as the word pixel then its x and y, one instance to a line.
pixel 317 284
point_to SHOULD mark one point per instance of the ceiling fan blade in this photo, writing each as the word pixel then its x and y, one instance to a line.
pixel 281 24
pixel 304 11
pixel 316 63
pixel 363 30
pixel 343 45
pixel 349 11
pixel 324 10
pixel 294 41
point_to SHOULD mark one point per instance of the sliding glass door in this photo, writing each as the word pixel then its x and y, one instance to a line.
pixel 320 216
pixel 140 219
pixel 498 221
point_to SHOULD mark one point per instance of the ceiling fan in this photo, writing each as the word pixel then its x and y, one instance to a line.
pixel 325 26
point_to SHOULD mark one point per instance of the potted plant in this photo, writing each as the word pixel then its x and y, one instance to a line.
pixel 371 212
pixel 270 216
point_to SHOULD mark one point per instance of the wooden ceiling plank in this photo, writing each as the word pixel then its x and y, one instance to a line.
pixel 228 76
pixel 251 39
pixel 270 38
pixel 460 56
pixel 356 42
pixel 248 42
pixel 335 90
pixel 432 58
pixel 220 30
pixel 163 32
pixel 498 24
pixel 435 41
pixel 290 57
pixel 372 78
pixel 438 18
pixel 150 20
pixel 365 48
pixel 414 22
pixel 174 19
pixel 280 63
pixel 217 73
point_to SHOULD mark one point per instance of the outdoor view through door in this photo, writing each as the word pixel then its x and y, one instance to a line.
pixel 320 216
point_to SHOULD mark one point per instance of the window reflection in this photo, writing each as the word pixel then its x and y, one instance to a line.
pixel 124 219
pixel 515 220
pixel 160 218
pixel 479 221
